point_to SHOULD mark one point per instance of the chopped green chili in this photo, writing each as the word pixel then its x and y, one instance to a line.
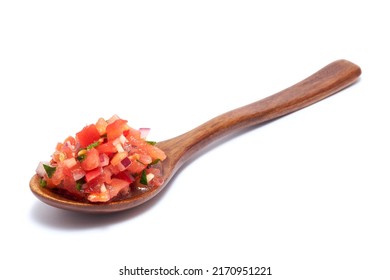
pixel 49 170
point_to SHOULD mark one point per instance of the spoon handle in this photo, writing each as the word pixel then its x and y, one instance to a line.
pixel 327 81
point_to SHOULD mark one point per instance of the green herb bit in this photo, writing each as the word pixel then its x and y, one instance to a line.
pixel 93 145
pixel 81 157
pixel 155 161
pixel 78 186
pixel 49 170
pixel 143 180
pixel 80 183
pixel 42 183
pixel 151 142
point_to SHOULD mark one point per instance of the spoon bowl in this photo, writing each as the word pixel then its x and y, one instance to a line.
pixel 325 82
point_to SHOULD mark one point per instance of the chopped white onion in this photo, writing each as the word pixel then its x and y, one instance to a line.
pixel 112 119
pixel 78 174
pixel 127 147
pixel 119 148
pixel 118 145
pixel 144 132
pixel 122 139
pixel 149 177
pixel 104 159
pixel 103 188
pixel 40 169
pixel 70 162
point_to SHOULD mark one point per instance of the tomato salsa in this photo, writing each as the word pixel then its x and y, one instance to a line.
pixel 103 162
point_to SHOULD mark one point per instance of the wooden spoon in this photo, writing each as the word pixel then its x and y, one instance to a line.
pixel 327 81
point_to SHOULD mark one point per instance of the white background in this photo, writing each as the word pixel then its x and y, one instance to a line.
pixel 307 195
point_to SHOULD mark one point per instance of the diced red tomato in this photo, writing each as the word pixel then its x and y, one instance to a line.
pixel 136 167
pixel 102 196
pixel 92 160
pixel 118 158
pixel 69 185
pixel 106 169
pixel 149 149
pixel 116 186
pixel 70 141
pixel 88 135
pixel 70 162
pixel 107 148
pixel 145 159
pixel 116 129
pixel 93 174
pixel 58 175
pixel 132 132
pixel 126 176
pixel 107 174
pixel 62 152
pixel 157 179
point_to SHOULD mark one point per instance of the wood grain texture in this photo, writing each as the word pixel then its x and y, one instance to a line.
pixel 327 81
